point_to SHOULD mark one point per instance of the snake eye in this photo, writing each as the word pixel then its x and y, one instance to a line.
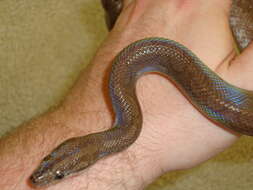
pixel 59 175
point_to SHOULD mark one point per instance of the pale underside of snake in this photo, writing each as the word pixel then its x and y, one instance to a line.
pixel 216 99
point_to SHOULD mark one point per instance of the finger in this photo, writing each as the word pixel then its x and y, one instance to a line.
pixel 239 69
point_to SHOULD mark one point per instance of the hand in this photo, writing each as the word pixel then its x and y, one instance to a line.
pixel 173 130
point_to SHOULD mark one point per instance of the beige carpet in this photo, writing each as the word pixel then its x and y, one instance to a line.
pixel 43 46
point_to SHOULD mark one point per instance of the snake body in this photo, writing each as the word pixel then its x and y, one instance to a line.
pixel 220 101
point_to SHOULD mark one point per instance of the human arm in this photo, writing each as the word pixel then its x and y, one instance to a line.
pixel 172 128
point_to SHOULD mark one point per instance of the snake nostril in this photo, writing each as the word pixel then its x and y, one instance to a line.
pixel 33 179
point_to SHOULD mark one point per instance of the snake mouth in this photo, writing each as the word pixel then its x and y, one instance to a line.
pixel 41 178
pixel 37 182
pixel 41 181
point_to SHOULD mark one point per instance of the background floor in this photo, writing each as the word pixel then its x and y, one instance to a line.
pixel 43 47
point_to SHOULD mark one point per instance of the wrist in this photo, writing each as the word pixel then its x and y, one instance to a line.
pixel 129 169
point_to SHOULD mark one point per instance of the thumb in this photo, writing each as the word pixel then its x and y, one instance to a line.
pixel 239 70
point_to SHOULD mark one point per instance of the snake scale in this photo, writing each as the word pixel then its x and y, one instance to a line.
pixel 220 101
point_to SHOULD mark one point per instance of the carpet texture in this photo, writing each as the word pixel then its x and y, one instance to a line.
pixel 43 47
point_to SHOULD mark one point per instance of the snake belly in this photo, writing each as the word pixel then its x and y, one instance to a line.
pixel 218 100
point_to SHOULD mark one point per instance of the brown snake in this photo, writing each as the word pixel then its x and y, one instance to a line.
pixel 218 100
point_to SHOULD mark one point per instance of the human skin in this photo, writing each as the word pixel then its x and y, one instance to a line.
pixel 174 136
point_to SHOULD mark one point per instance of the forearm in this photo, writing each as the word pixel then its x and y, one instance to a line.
pixel 83 112
pixel 22 151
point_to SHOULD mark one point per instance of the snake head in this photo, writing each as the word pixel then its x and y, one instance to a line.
pixel 68 158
